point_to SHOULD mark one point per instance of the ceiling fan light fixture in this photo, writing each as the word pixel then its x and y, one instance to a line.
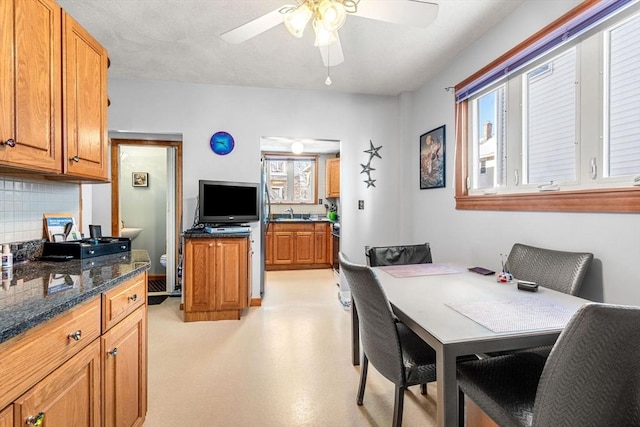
pixel 297 19
pixel 297 147
pixel 324 37
pixel 332 14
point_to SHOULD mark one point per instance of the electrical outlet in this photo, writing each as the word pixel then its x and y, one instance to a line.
pixel 360 204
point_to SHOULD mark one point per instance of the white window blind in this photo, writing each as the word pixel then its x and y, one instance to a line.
pixel 550 123
pixel 624 100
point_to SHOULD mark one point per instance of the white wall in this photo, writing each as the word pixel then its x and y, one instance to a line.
pixel 197 111
pixel 478 238
pixel 395 210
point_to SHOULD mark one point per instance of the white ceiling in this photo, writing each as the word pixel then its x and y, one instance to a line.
pixel 179 40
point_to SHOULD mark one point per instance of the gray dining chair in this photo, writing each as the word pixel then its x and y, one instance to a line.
pixel 380 256
pixel 591 377
pixel 558 270
pixel 398 254
pixel 393 349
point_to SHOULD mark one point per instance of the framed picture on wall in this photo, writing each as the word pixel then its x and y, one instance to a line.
pixel 140 179
pixel 432 158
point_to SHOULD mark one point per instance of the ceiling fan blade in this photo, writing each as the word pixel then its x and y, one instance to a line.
pixel 332 55
pixel 414 13
pixel 257 26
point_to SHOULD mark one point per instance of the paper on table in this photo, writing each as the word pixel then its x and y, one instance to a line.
pixel 427 269
pixel 515 314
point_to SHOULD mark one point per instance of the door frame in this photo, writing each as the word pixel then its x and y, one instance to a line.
pixel 115 186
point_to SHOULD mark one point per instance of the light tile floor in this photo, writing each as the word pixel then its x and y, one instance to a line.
pixel 286 363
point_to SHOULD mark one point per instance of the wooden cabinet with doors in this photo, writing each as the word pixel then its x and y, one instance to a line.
pixel 51 72
pixel 298 245
pixel 85 103
pixel 124 353
pixel 333 177
pixel 63 372
pixel 30 85
pixel 216 277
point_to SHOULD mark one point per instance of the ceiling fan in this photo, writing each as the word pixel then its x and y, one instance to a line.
pixel 328 16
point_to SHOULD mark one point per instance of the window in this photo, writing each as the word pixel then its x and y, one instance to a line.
pixel 554 124
pixel 291 179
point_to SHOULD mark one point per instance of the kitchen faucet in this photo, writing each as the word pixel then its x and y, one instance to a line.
pixel 290 212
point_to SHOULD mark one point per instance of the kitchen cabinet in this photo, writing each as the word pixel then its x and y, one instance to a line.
pixel 53 80
pixel 70 396
pixel 268 248
pixel 124 353
pixel 298 245
pixel 6 417
pixel 31 95
pixel 72 377
pixel 216 277
pixel 333 177
pixel 85 103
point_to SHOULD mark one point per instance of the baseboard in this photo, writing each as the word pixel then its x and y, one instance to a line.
pixel 255 302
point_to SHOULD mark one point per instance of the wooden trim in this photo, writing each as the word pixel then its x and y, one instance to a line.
pixel 563 20
pixel 255 302
pixel 115 192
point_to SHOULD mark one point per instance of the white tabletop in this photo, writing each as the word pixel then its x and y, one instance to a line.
pixel 432 305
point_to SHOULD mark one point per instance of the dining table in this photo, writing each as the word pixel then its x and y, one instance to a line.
pixel 461 313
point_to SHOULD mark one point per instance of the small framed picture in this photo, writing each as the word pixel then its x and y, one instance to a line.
pixel 432 158
pixel 140 179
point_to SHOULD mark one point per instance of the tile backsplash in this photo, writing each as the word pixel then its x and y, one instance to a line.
pixel 24 201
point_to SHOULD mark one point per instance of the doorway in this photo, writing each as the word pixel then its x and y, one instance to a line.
pixel 146 188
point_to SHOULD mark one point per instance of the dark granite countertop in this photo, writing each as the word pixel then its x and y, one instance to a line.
pixel 40 290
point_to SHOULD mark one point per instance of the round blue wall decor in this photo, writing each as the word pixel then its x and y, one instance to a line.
pixel 222 143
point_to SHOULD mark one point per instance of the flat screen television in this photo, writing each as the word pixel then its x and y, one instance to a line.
pixel 225 202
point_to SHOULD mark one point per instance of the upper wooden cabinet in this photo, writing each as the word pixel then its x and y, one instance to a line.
pixel 53 93
pixel 30 79
pixel 84 91
pixel 333 177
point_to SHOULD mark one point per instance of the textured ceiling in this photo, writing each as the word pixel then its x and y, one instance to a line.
pixel 179 40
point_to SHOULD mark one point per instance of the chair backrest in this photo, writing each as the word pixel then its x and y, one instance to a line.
pixel 592 376
pixel 378 333
pixel 557 270
pixel 400 254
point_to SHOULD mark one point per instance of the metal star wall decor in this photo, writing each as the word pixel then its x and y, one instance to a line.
pixel 373 152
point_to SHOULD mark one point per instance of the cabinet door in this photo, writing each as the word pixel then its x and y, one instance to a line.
pixel 333 177
pixel 231 274
pixel 85 103
pixel 124 350
pixel 31 101
pixel 199 275
pixel 283 247
pixel 304 243
pixel 70 396
pixel 6 417
pixel 321 250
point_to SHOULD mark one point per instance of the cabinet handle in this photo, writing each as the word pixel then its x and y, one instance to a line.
pixel 133 298
pixel 113 352
pixel 9 142
pixel 75 335
pixel 75 159
pixel 36 420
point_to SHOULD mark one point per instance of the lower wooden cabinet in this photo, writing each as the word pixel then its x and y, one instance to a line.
pixel 70 396
pixel 298 245
pixel 70 371
pixel 6 417
pixel 124 352
pixel 216 278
